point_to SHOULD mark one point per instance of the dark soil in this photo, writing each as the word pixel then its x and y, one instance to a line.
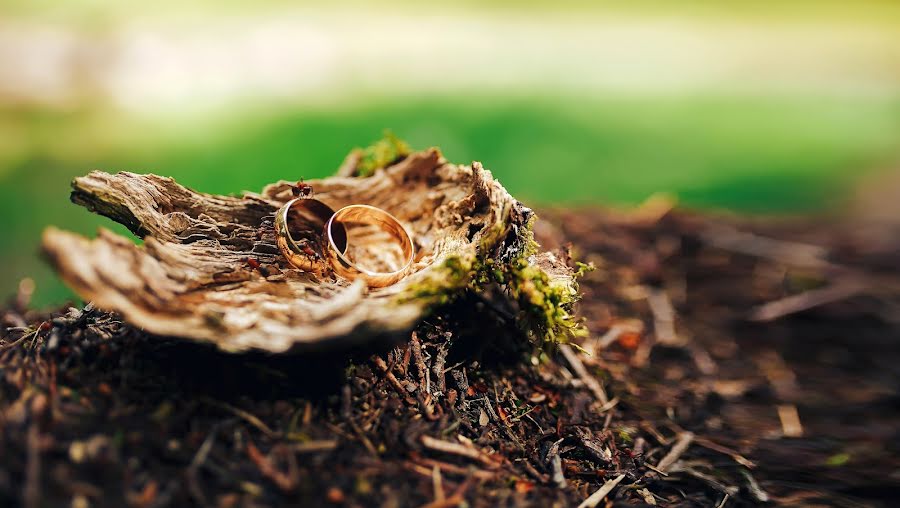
pixel 716 403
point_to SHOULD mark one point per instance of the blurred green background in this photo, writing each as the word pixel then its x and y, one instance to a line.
pixel 763 107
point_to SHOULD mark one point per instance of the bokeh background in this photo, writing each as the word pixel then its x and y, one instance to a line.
pixel 763 107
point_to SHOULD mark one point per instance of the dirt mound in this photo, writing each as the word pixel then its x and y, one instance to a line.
pixel 728 364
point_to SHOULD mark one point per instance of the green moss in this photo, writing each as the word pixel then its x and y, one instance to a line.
pixel 531 245
pixel 447 282
pixel 544 304
pixel 583 268
pixel 382 154
pixel 838 460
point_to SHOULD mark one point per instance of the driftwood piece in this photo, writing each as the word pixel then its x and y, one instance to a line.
pixel 191 276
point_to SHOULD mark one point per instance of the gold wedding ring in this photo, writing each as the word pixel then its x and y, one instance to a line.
pixel 335 234
pixel 298 232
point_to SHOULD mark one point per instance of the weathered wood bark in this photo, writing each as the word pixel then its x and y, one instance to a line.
pixel 191 278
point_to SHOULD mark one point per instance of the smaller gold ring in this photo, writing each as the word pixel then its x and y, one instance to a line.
pixel 369 215
pixel 306 253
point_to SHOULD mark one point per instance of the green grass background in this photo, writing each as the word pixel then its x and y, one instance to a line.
pixel 748 154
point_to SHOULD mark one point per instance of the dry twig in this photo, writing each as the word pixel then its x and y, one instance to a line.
pixel 556 465
pixel 453 469
pixel 460 450
pixel 742 242
pixel 681 445
pixel 382 366
pixel 197 462
pixel 790 420
pixel 285 481
pixel 807 300
pixel 588 380
pixel 663 317
pixel 716 447
pixel 594 499
pixel 246 416
pixel 314 446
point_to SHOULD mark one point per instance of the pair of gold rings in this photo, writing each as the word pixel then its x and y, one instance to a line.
pixel 315 238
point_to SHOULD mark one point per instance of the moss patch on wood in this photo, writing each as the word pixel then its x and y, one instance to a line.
pixel 381 154
pixel 544 304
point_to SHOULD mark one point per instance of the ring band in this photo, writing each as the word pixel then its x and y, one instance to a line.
pixel 306 253
pixel 368 215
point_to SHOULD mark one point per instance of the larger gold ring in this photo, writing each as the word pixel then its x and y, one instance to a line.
pixel 369 215
pixel 307 217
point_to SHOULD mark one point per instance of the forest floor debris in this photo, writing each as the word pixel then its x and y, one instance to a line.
pixel 719 410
